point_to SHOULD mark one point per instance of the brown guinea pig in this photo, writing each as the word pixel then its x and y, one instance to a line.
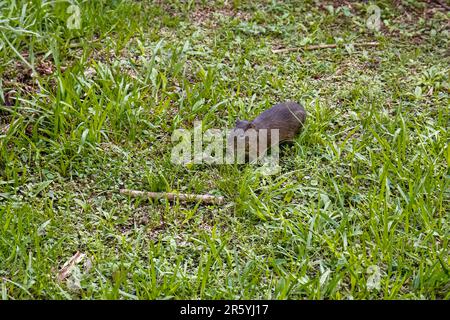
pixel 287 117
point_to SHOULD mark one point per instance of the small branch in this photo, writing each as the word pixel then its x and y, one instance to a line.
pixel 67 268
pixel 206 198
pixel 323 46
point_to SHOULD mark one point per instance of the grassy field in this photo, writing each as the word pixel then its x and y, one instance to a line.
pixel 360 209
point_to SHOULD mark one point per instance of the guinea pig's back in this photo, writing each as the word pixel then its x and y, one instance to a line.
pixel 288 116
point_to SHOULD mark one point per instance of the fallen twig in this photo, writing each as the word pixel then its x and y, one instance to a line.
pixel 206 198
pixel 323 46
pixel 69 265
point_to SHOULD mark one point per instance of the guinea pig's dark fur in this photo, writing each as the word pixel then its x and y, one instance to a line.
pixel 287 117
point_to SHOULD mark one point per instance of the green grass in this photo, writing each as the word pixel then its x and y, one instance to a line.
pixel 363 193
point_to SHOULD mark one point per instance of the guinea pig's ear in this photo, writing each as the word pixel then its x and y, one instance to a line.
pixel 241 124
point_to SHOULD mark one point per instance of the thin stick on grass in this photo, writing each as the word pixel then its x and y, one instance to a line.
pixel 323 46
pixel 206 198
pixel 68 267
